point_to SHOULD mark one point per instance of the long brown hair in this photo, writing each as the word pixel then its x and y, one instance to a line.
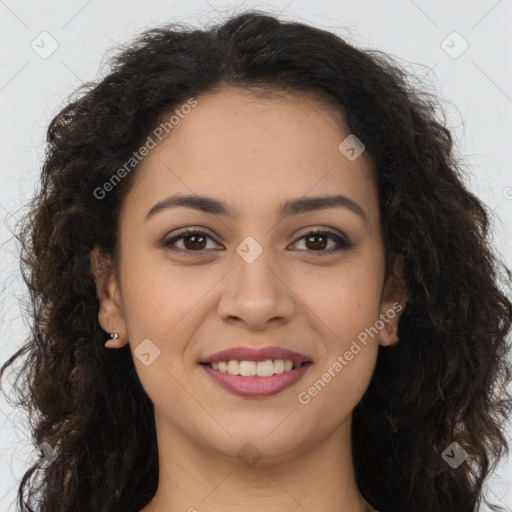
pixel 443 383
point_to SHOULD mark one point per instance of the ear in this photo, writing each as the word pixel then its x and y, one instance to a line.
pixel 393 302
pixel 110 314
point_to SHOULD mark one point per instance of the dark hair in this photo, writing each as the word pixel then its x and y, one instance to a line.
pixel 444 382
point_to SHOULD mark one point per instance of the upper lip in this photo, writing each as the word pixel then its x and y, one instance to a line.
pixel 251 354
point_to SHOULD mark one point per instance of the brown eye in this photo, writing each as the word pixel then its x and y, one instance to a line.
pixel 317 241
pixel 193 241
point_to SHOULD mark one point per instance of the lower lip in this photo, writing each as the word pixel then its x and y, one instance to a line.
pixel 257 387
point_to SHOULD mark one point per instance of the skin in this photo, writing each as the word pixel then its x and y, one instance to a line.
pixel 253 154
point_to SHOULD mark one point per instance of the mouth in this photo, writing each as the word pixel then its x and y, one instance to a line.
pixel 256 373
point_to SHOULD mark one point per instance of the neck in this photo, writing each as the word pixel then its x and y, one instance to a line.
pixel 317 477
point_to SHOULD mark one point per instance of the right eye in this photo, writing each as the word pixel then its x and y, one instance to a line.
pixel 194 240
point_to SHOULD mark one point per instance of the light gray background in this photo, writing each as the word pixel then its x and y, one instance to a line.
pixel 475 86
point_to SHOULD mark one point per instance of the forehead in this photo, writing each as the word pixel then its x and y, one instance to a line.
pixel 254 152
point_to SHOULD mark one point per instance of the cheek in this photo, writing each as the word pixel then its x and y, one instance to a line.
pixel 159 296
pixel 345 299
pixel 346 307
pixel 346 364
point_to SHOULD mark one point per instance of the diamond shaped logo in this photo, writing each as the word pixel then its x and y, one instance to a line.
pixel 47 454
pixel 249 455
pixel 454 455
pixel 454 45
pixel 147 352
pixel 351 147
pixel 45 45
pixel 249 249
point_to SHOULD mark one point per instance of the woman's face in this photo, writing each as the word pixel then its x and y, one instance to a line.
pixel 255 279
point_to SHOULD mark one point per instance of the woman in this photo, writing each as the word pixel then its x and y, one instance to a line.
pixel 303 307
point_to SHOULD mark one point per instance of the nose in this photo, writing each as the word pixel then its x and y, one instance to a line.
pixel 257 294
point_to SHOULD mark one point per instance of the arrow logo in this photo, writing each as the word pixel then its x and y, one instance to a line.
pixel 454 455
pixel 351 147
pixel 249 455
pixel 48 454
pixel 249 249
pixel 147 352
pixel 454 45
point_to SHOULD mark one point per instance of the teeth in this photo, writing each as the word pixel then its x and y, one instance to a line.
pixel 248 368
pixel 252 368
pixel 265 368
pixel 233 367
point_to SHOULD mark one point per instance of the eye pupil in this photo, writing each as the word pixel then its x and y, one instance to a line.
pixel 316 236
pixel 194 241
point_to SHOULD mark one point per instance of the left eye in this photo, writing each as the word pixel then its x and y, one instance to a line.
pixel 196 240
pixel 313 237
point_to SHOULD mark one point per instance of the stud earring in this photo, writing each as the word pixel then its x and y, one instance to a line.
pixel 113 336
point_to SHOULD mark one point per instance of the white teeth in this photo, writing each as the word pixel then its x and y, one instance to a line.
pixel 265 368
pixel 279 366
pixel 248 368
pixel 252 368
pixel 233 367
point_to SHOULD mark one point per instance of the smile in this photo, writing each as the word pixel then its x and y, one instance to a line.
pixel 253 379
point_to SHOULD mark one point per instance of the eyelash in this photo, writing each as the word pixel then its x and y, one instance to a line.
pixel 342 242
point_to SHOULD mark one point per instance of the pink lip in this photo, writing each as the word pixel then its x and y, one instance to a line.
pixel 256 387
pixel 250 354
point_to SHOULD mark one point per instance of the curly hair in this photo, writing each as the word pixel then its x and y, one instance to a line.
pixel 445 382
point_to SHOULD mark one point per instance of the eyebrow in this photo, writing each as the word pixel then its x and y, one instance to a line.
pixel 291 207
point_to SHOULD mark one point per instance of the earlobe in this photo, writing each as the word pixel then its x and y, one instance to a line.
pixel 390 315
pixel 390 337
pixel 394 300
pixel 110 314
pixel 115 341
